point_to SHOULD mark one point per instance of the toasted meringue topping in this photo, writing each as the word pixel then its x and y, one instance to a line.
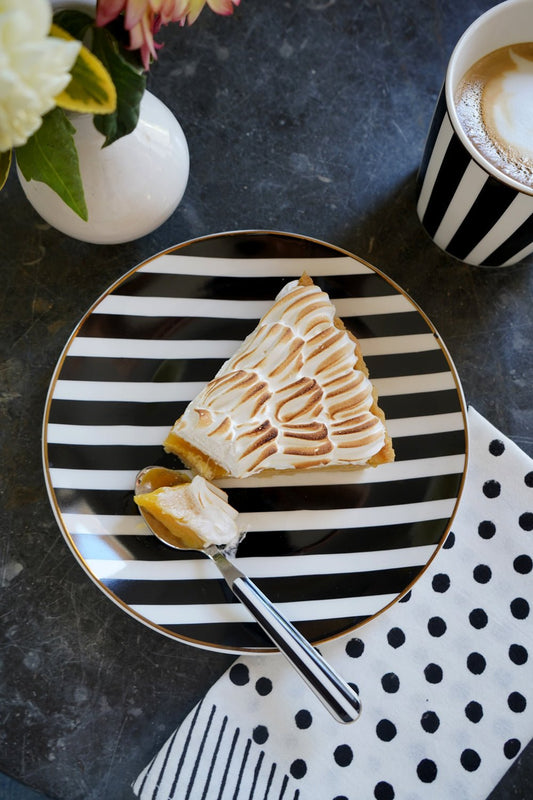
pixel 291 396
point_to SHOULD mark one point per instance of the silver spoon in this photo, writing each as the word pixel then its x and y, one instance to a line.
pixel 337 695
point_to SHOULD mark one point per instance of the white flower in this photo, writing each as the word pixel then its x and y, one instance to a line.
pixel 34 68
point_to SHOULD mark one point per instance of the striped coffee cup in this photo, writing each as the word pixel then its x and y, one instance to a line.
pixel 472 210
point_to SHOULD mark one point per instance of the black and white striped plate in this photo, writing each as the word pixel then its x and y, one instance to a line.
pixel 331 549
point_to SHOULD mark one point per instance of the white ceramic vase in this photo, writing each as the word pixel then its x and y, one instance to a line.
pixel 131 187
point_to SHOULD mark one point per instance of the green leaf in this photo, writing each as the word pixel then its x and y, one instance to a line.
pixel 50 156
pixel 5 163
pixel 130 84
pixel 91 89
pixel 74 22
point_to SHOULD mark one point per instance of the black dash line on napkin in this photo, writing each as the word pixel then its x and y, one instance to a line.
pixel 257 770
pixel 215 755
pixel 243 764
pixel 200 751
pixel 230 756
pixel 270 779
pixel 182 759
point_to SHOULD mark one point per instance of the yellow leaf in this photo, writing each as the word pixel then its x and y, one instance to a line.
pixel 91 89
pixel 5 163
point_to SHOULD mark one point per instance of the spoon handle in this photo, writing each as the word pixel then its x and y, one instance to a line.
pixel 337 695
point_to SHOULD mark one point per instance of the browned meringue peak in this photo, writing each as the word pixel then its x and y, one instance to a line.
pixel 294 395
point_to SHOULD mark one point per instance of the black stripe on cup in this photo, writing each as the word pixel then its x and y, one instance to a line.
pixel 467 212
pixel 519 241
pixel 436 122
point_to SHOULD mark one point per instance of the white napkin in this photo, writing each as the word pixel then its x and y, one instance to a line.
pixel 445 677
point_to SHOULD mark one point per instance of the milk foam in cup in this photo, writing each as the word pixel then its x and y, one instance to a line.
pixel 494 103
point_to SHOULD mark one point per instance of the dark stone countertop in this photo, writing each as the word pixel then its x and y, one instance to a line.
pixel 308 117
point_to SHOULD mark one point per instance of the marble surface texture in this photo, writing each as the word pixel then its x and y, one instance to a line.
pixel 306 116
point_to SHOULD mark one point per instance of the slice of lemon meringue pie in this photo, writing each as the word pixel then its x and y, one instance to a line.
pixel 295 396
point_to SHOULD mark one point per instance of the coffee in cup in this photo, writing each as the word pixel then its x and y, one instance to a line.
pixel 494 103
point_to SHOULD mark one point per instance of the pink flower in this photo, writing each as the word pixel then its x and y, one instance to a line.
pixel 224 7
pixel 143 18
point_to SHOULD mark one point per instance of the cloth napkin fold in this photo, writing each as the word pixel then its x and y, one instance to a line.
pixel 445 677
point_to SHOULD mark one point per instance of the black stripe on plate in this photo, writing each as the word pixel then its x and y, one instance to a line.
pixel 358 495
pixel 521 238
pixel 130 457
pixel 82 501
pixel 272 544
pixel 288 589
pixel 436 122
pixel 102 412
pixel 400 364
pixel 120 326
pixel 493 199
pixel 452 169
pixel 257 245
pixel 381 325
pixel 403 406
pixel 123 326
pixel 134 370
pixel 264 544
pixel 429 445
pixel 294 498
pixel 144 284
pixel 251 636
pixel 202 370
pixel 115 457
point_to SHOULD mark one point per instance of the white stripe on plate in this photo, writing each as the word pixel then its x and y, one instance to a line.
pixel 397 470
pixel 149 392
pixel 411 384
pixel 118 435
pixel 159 349
pixel 124 480
pixel 105 524
pixel 162 349
pixel 132 305
pixel 335 608
pixel 392 345
pixel 118 391
pixel 152 435
pixel 176 264
pixel 331 518
pixel 419 426
pixel 256 568
pixel 323 519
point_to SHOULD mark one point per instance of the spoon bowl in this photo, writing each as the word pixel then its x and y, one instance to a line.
pixel 148 480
